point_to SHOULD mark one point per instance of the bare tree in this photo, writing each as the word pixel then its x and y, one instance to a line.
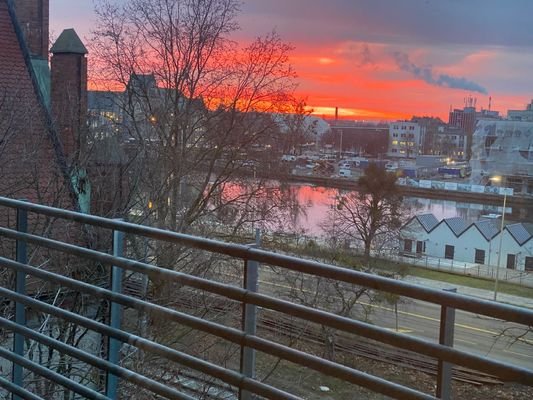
pixel 195 124
pixel 194 104
pixel 371 213
pixel 297 128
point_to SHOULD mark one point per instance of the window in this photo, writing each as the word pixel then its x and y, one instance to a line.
pixel 511 261
pixel 528 266
pixel 411 128
pixel 402 135
pixel 394 135
pixel 404 127
pixel 394 142
pixel 408 245
pixel 449 252
pixel 420 247
pixel 479 257
pixel 395 127
pixel 394 151
pixel 411 135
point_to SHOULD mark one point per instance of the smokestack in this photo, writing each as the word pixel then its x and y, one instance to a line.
pixel 490 101
pixel 336 113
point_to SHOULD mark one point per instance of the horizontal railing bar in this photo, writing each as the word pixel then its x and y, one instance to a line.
pixel 51 375
pixel 458 301
pixel 231 377
pixel 467 303
pixel 15 389
pixel 356 377
pixel 81 355
pixel 503 370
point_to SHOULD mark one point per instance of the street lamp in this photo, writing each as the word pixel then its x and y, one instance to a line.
pixel 499 179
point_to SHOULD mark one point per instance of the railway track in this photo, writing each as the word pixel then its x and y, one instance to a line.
pixel 271 323
pixel 346 344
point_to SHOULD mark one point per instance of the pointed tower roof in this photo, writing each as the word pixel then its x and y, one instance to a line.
pixel 68 42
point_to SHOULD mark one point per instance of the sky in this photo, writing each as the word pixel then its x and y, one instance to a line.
pixel 386 59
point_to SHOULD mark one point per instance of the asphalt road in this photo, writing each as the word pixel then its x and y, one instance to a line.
pixel 474 333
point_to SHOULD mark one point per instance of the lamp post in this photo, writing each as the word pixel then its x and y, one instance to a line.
pixel 499 179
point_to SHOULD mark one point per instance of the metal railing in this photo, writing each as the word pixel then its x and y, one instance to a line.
pixel 241 379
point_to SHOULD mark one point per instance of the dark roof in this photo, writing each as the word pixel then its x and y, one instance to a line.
pixel 428 221
pixel 68 42
pixel 487 227
pixel 456 224
pixel 521 232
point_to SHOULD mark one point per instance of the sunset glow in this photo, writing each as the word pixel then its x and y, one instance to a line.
pixel 385 63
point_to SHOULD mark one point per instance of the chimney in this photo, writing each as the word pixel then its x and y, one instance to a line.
pixel 69 90
pixel 32 16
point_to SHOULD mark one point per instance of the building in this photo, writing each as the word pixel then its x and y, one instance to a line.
pixel 464 118
pixel 42 110
pixel 406 139
pixel 504 148
pixel 522 115
pixel 448 141
pixel 477 243
pixel 358 137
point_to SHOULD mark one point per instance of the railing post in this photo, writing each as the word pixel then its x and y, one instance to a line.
pixel 20 288
pixel 444 369
pixel 115 314
pixel 249 319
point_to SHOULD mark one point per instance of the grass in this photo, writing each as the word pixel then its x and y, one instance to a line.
pixel 471 281
pixel 402 269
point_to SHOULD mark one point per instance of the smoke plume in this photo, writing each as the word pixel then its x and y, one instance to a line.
pixel 427 75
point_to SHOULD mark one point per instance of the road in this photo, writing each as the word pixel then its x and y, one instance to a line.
pixel 473 333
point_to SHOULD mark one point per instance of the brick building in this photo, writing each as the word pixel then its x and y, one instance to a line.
pixel 37 155
pixel 42 117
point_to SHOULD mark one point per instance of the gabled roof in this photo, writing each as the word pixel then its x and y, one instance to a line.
pixel 456 224
pixel 521 232
pixel 428 221
pixel 487 228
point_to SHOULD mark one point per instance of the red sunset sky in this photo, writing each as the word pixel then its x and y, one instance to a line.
pixel 385 59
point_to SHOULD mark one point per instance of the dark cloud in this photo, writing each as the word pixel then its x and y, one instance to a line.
pixel 416 22
pixel 427 75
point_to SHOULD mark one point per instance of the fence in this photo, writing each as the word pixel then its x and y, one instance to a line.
pixel 524 278
pixel 242 377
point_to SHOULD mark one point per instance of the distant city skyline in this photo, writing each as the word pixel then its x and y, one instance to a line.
pixel 382 60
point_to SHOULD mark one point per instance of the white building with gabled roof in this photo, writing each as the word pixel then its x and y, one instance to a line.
pixel 477 242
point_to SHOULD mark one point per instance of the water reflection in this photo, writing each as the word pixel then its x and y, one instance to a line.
pixel 316 201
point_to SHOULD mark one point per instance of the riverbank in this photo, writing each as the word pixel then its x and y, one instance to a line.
pixel 351 184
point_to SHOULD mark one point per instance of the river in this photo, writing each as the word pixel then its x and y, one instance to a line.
pixel 316 201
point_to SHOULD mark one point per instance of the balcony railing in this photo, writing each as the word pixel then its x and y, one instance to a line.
pixel 237 378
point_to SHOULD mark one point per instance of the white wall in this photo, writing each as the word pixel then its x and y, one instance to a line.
pixel 466 244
